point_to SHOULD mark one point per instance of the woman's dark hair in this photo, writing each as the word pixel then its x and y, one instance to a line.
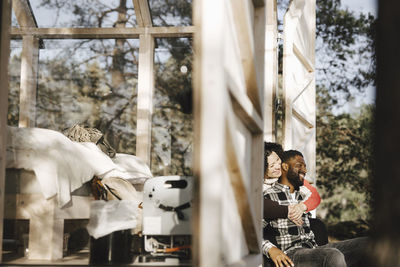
pixel 270 147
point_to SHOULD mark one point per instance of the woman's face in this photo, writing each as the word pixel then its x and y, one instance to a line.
pixel 274 166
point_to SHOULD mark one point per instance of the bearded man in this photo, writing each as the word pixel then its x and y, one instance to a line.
pixel 294 245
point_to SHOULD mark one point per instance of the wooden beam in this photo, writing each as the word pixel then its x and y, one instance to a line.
pixel 28 87
pixel 257 145
pixel 257 180
pixel 244 32
pixel 145 97
pixel 23 13
pixel 244 109
pixel 302 118
pixel 271 70
pixel 308 79
pixel 142 11
pixel 302 58
pixel 102 33
pixel 259 50
pixel 385 238
pixel 209 101
pixel 238 177
pixel 5 22
pixel 19 206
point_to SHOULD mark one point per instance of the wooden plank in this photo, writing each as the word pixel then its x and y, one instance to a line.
pixel 5 22
pixel 24 14
pixel 42 220
pixel 28 86
pixel 142 11
pixel 290 22
pixel 302 118
pixel 271 70
pixel 244 31
pixel 238 177
pixel 209 101
pixel 307 81
pixel 102 33
pixel 244 109
pixel 259 49
pixel 303 59
pixel 145 97
pixel 48 246
pixel 256 185
pixel 385 242
pixel 20 206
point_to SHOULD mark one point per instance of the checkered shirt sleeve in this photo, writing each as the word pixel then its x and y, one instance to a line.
pixel 289 235
pixel 266 246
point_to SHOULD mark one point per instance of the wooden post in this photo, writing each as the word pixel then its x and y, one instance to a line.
pixel 271 70
pixel 28 89
pixel 209 83
pixel 386 181
pixel 257 147
pixel 145 97
pixel 42 214
pixel 5 21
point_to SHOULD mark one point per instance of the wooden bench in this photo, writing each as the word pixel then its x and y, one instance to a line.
pixel 24 200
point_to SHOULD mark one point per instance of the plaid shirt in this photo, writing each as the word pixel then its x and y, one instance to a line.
pixel 286 234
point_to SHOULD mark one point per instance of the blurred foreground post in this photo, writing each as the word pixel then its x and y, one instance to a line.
pixel 386 233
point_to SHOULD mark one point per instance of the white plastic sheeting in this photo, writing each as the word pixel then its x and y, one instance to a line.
pixel 113 215
pixel 299 80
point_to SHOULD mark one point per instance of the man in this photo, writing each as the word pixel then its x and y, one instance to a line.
pixel 294 245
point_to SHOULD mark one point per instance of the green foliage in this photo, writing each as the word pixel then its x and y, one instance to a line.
pixel 344 161
pixel 345 50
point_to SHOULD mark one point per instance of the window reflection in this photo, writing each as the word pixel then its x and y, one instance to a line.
pixel 171 12
pixel 83 13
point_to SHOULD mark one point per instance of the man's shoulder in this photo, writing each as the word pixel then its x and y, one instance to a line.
pixel 272 189
pixel 276 192
pixel 275 187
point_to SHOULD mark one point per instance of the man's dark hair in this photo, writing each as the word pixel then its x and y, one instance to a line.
pixel 289 154
pixel 270 147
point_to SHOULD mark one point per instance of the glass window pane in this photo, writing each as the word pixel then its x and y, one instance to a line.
pixel 14 72
pixel 86 82
pixel 171 12
pixel 14 22
pixel 83 13
pixel 90 82
pixel 172 128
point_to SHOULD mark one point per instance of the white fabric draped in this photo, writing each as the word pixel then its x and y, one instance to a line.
pixel 61 165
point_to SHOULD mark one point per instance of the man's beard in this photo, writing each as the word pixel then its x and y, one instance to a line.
pixel 294 179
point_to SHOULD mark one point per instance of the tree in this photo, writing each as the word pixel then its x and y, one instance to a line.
pixel 344 162
pixel 345 51
pixel 345 68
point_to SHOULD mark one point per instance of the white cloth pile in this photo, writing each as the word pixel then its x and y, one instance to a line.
pixel 61 165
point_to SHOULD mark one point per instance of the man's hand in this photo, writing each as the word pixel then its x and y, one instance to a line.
pixel 279 258
pixel 295 212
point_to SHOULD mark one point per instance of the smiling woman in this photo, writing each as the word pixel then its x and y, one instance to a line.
pixel 274 166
